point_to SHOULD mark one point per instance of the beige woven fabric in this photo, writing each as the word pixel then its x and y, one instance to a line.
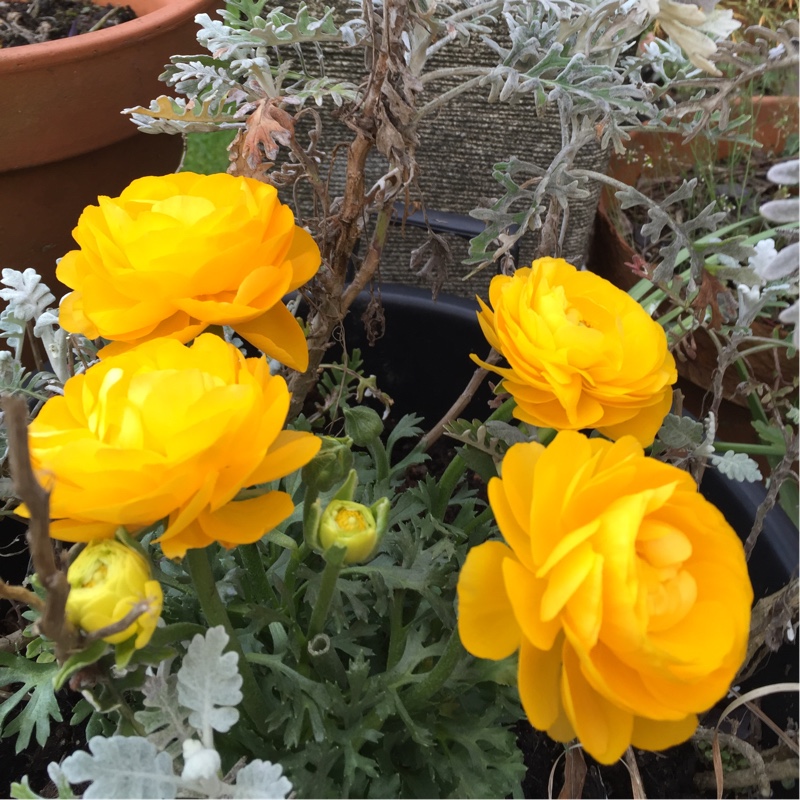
pixel 458 147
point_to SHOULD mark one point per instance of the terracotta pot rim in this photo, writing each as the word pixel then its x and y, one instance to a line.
pixel 171 14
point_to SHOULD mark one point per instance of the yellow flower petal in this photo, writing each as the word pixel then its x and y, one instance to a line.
pixel 278 334
pixel 174 254
pixel 603 728
pixel 539 675
pixel 167 431
pixel 651 735
pixel 246 521
pixel 627 591
pixel 526 595
pixel 486 621
pixel 581 352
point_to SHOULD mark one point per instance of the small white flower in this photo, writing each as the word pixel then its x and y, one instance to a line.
pixel 750 303
pixel 692 28
pixel 762 258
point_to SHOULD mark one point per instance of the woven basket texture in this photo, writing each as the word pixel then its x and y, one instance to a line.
pixel 459 144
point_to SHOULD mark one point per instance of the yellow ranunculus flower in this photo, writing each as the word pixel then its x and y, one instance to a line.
pixel 624 590
pixel 107 580
pixel 581 353
pixel 165 430
pixel 174 254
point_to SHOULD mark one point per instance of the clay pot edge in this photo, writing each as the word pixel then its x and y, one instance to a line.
pixel 46 55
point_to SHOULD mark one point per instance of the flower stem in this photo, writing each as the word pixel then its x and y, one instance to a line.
pixel 381 459
pixel 334 558
pixel 437 677
pixel 124 709
pixel 751 449
pixel 397 635
pixel 198 564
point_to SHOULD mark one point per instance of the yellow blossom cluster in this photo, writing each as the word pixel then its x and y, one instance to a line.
pixel 624 592
pixel 172 423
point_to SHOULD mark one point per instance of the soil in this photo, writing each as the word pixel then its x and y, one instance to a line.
pixel 666 774
pixel 44 20
pixel 33 761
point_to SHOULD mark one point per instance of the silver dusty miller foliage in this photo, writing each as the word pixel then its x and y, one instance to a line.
pixel 579 57
pixel 176 757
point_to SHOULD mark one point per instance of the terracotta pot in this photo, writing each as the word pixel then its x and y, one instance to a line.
pixel 652 155
pixel 63 140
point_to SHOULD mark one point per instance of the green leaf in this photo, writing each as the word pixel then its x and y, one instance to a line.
pixel 479 461
pixel 281 539
pixel 681 432
pixel 123 652
pixel 23 791
pixel 789 500
pixel 769 434
pixel 41 707
pixel 177 632
pixel 78 660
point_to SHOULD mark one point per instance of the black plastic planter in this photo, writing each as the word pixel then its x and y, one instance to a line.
pixel 423 363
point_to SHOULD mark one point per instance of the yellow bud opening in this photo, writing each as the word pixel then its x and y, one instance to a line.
pixel 349 525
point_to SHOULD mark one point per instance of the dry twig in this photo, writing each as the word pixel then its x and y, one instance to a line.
pixel 53 622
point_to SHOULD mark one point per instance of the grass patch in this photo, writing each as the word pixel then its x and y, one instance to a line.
pixel 206 153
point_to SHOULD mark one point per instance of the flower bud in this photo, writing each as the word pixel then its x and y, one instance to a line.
pixel 354 527
pixel 362 424
pixel 199 763
pixel 107 580
pixel 330 465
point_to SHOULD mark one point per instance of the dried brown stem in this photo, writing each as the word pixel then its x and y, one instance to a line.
pixel 771 618
pixel 53 622
pixel 757 772
pixel 14 642
pixel 784 470
pixel 330 301
pixel 20 594
pixel 461 402
pixel 786 770
pixel 637 785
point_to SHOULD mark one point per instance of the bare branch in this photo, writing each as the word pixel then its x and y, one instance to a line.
pixel 142 607
pixel 53 622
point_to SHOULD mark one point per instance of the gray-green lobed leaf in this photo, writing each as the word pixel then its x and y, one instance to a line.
pixel 737 466
pixel 261 779
pixel 681 432
pixel 122 766
pixel 163 718
pixel 209 682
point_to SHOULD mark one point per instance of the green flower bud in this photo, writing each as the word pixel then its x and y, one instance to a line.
pixel 354 527
pixel 363 425
pixel 331 464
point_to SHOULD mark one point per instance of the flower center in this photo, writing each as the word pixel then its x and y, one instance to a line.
pixel 349 520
